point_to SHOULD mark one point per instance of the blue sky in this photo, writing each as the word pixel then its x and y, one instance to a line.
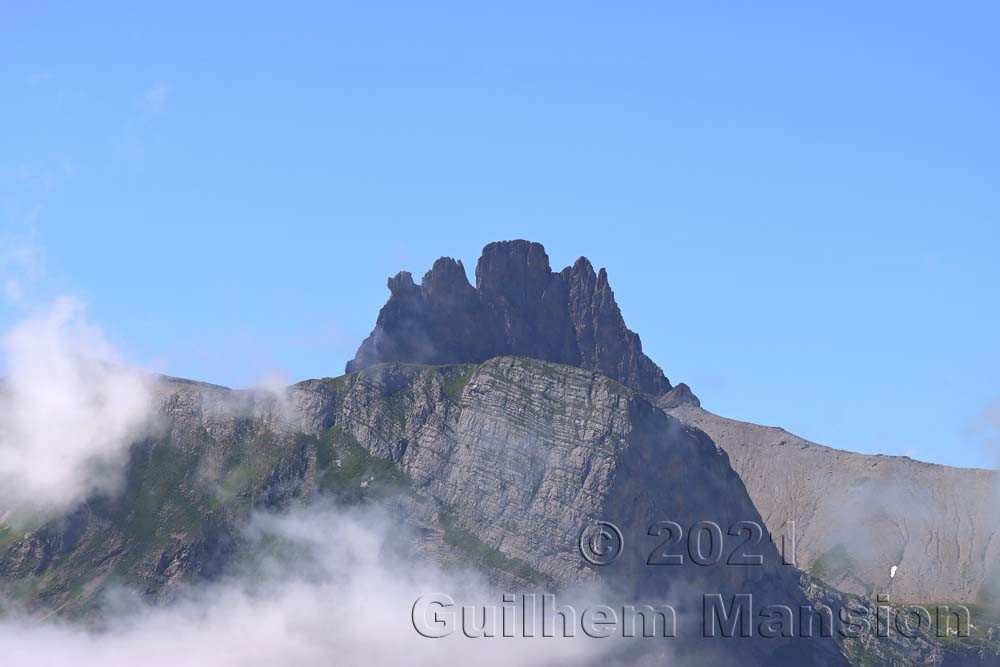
pixel 798 207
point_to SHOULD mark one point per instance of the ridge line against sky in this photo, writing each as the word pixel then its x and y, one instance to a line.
pixel 796 207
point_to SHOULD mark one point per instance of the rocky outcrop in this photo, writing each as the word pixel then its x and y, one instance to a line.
pixel 518 307
pixel 888 634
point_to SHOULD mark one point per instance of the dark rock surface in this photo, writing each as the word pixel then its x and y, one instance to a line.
pixel 876 638
pixel 518 307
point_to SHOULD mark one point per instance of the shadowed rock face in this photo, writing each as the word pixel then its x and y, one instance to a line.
pixel 518 307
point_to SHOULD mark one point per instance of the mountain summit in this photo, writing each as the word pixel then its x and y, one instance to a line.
pixel 519 307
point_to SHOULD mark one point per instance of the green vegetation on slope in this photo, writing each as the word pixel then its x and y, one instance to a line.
pixel 349 472
pixel 468 542
pixel 835 561
pixel 458 378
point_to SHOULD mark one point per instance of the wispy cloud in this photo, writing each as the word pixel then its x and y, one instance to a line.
pixel 38 77
pixel 40 178
pixel 986 428
pixel 326 587
pixel 21 266
pixel 68 413
pixel 154 97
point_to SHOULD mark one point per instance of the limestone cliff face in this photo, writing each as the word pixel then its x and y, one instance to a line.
pixel 499 466
pixel 526 453
pixel 518 307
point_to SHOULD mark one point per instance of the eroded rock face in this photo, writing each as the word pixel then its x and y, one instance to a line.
pixel 501 466
pixel 523 454
pixel 527 452
pixel 518 307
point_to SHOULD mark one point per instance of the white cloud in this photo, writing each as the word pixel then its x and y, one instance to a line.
pixel 326 588
pixel 985 428
pixel 68 412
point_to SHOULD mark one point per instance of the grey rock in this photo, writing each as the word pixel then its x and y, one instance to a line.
pixel 505 463
pixel 889 634
pixel 856 516
pixel 518 307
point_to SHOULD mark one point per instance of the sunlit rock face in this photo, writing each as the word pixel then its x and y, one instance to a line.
pixel 869 524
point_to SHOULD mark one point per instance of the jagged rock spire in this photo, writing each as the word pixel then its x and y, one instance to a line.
pixel 518 307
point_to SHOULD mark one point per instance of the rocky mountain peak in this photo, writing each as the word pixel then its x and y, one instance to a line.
pixel 515 269
pixel 518 306
pixel 445 285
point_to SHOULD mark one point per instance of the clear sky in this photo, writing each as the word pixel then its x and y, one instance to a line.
pixel 798 207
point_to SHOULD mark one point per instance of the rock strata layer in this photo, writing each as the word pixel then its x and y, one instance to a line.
pixel 499 466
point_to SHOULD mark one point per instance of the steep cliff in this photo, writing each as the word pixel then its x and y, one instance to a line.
pixel 499 465
pixel 518 307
